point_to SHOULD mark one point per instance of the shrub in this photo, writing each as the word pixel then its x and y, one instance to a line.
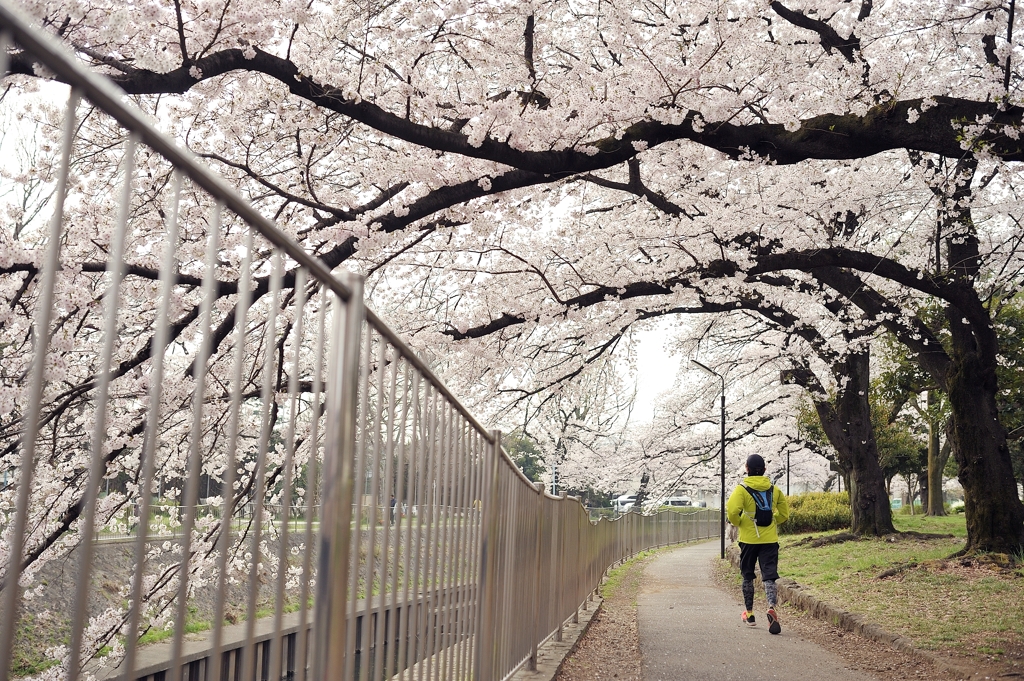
pixel 817 512
pixel 918 509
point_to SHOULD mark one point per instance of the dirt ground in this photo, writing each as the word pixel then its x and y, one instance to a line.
pixel 610 650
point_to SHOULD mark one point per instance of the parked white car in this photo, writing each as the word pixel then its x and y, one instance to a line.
pixel 654 505
pixel 624 503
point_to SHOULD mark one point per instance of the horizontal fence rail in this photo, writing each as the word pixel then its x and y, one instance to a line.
pixel 240 471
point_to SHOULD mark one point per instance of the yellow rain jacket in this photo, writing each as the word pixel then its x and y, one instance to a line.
pixel 740 511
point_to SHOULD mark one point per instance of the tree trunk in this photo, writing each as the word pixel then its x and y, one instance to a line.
pixel 910 496
pixel 641 493
pixel 935 465
pixel 849 429
pixel 995 514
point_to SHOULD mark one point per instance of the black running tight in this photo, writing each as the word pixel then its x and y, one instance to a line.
pixel 767 556
pixel 771 593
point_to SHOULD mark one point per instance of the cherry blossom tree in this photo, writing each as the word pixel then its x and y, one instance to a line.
pixel 880 302
pixel 383 135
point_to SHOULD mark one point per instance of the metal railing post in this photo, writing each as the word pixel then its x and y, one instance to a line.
pixel 331 625
pixel 536 585
pixel 557 542
pixel 580 552
pixel 483 658
pixel 41 335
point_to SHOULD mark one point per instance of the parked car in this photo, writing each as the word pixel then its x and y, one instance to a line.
pixel 624 503
pixel 654 505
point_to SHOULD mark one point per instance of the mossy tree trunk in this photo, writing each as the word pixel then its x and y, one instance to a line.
pixel 937 456
pixel 995 514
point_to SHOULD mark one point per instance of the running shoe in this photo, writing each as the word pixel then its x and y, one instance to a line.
pixel 773 622
pixel 748 618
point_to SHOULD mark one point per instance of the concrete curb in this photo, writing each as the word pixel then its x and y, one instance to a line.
pixel 553 654
pixel 791 592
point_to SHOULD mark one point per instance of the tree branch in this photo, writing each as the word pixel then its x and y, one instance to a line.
pixel 830 40
pixel 828 136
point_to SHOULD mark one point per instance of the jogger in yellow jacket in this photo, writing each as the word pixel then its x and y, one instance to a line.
pixel 758 543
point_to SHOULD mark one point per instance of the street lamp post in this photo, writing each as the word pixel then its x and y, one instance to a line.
pixel 722 527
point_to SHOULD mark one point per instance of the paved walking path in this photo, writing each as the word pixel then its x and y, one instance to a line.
pixel 690 629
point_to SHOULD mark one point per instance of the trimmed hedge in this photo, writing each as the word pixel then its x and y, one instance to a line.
pixel 817 512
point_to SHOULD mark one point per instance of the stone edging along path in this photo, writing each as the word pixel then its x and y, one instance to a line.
pixel 791 592
pixel 551 655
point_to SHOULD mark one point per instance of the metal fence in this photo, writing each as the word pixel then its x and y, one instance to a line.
pixel 311 489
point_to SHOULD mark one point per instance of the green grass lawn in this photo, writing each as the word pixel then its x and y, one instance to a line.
pixel 949 524
pixel 615 576
pixel 941 604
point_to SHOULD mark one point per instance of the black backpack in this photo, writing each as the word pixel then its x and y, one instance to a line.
pixel 763 504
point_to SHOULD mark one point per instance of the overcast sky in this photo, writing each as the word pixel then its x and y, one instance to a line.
pixel 656 372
